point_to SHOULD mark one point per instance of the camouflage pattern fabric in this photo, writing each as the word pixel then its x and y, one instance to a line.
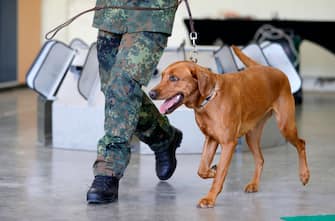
pixel 126 62
pixel 129 21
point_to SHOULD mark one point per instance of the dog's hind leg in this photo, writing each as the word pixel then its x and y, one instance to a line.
pixel 284 110
pixel 253 138
pixel 209 150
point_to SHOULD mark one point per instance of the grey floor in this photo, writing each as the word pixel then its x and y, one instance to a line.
pixel 41 183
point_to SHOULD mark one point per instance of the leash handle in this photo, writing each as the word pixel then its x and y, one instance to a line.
pixel 52 33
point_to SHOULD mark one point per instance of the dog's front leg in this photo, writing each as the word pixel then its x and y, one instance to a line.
pixel 205 171
pixel 226 155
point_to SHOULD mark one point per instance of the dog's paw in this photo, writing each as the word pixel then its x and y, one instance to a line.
pixel 206 203
pixel 251 188
pixel 304 177
pixel 208 174
pixel 212 172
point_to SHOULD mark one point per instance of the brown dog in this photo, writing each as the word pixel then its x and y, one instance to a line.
pixel 229 106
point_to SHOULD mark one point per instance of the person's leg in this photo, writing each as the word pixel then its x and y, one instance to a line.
pixel 104 188
pixel 143 51
pixel 131 67
pixel 113 151
pixel 134 63
pixel 155 130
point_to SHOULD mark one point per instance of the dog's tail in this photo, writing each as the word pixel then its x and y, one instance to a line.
pixel 247 61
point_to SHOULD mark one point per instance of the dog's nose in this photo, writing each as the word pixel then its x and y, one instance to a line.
pixel 153 94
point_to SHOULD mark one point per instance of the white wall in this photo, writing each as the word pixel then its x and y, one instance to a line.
pixel 315 60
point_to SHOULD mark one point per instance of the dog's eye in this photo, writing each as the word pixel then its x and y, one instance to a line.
pixel 173 78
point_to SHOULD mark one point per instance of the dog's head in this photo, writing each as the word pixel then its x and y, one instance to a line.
pixel 183 82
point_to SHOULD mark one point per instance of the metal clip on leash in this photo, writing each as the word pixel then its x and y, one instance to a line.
pixel 194 52
pixel 193 35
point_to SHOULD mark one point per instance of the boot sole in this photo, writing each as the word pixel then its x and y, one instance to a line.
pixel 97 199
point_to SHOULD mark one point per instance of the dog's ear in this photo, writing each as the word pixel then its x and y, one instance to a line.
pixel 206 82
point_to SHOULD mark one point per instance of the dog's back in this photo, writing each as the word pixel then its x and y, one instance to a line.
pixel 258 73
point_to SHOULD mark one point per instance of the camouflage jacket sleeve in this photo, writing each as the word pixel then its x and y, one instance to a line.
pixel 128 21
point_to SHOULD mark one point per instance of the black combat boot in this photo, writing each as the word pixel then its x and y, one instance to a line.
pixel 104 189
pixel 166 161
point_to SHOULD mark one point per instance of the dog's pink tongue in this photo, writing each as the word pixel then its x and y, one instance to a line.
pixel 168 104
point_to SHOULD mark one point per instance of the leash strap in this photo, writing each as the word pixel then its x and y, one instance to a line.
pixel 52 33
pixel 193 34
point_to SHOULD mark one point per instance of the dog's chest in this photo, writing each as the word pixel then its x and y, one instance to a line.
pixel 206 124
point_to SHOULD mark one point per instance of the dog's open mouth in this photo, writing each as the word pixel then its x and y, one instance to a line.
pixel 171 104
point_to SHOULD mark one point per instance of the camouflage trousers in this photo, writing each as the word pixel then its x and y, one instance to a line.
pixel 126 62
